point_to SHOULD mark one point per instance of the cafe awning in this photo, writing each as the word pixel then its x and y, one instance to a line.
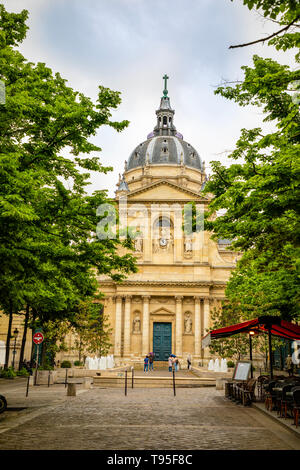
pixel 275 325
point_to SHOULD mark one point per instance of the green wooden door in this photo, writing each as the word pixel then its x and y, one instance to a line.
pixel 162 340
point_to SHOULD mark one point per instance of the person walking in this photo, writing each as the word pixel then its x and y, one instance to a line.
pixel 170 363
pixel 146 362
pixel 289 365
pixel 151 358
pixel 189 361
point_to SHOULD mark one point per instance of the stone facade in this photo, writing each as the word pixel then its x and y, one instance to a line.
pixel 181 277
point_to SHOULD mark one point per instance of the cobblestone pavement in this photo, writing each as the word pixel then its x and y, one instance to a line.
pixel 105 419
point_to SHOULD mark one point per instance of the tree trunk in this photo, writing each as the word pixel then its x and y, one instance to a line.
pixel 34 315
pixel 24 337
pixel 8 337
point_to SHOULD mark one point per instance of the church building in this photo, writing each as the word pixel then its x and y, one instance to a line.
pixel 165 307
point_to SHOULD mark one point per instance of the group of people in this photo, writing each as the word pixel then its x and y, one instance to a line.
pixel 173 362
pixel 148 362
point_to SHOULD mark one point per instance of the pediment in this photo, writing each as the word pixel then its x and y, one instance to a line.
pixel 165 190
pixel 162 311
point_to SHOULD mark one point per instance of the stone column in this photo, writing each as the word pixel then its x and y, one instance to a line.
pixel 118 325
pixel 178 339
pixel 127 325
pixel 197 326
pixel 205 315
pixel 146 319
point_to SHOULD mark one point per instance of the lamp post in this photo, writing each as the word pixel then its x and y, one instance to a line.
pixel 15 335
pixel 251 333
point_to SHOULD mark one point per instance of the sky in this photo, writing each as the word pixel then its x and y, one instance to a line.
pixel 128 45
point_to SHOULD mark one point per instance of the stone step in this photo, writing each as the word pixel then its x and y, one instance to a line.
pixel 118 381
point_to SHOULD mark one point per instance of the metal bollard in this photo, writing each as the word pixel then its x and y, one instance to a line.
pixel 125 383
pixel 174 389
pixel 66 378
pixel 49 379
pixel 27 387
pixel 132 376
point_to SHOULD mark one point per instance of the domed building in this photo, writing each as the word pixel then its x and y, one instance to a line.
pixel 165 307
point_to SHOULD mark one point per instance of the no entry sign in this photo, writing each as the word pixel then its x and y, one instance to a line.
pixel 38 338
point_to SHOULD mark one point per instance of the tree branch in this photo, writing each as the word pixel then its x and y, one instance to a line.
pixel 268 37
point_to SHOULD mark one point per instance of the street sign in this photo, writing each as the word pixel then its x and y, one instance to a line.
pixel 38 338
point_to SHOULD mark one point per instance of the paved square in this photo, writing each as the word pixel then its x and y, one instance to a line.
pixel 106 419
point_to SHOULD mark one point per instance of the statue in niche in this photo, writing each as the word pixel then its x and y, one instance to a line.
pixel 138 243
pixel 188 324
pixel 188 245
pixel 137 324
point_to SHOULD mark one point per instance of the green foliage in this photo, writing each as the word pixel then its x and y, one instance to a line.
pixel 66 365
pixel 261 196
pixel 9 373
pixel 22 372
pixel 230 364
pixel 50 254
pixel 78 363
pixel 93 330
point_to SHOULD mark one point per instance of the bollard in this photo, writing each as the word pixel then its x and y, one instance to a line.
pixel 49 379
pixel 125 382
pixel 132 376
pixel 87 382
pixel 66 378
pixel 27 387
pixel 174 389
pixel 71 390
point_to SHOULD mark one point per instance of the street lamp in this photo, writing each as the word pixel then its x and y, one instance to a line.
pixel 15 335
pixel 251 333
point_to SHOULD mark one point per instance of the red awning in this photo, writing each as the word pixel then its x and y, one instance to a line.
pixel 277 327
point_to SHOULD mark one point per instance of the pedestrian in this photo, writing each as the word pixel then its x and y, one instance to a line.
pixel 146 362
pixel 176 363
pixel 151 358
pixel 170 363
pixel 189 361
pixel 289 365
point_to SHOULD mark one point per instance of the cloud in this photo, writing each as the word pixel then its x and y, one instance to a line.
pixel 128 45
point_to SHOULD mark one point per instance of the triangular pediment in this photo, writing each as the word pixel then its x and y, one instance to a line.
pixel 165 190
pixel 162 311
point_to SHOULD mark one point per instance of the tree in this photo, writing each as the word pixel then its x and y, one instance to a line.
pixel 49 252
pixel 259 198
pixel 92 328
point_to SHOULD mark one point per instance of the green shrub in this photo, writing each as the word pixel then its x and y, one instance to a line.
pixel 66 365
pixel 230 364
pixel 8 373
pixel 78 363
pixel 23 372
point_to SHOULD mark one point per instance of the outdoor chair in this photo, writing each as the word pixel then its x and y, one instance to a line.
pixel 262 380
pixel 296 405
pixel 245 392
pixel 284 400
pixel 270 395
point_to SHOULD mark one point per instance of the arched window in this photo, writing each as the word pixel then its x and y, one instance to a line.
pixel 163 221
pixel 165 120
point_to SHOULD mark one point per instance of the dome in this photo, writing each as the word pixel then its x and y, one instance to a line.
pixel 171 150
pixel 164 145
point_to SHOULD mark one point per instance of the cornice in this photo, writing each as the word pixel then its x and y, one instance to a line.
pixel 168 183
pixel 165 283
